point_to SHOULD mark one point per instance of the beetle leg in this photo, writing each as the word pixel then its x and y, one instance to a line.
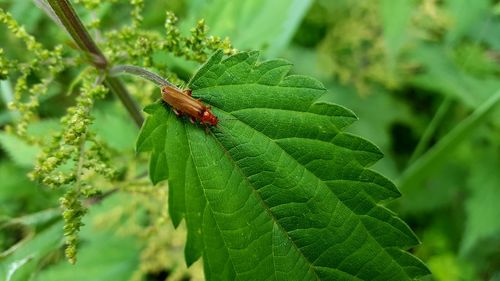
pixel 177 113
pixel 192 120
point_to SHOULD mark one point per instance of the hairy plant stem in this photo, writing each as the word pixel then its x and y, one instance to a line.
pixel 44 5
pixel 117 87
pixel 141 72
pixel 73 25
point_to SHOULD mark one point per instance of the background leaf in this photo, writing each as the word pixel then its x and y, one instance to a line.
pixel 444 76
pixel 20 196
pixel 30 254
pixel 104 254
pixel 466 16
pixel 123 132
pixel 395 16
pixel 482 224
pixel 276 190
pixel 245 21
pixel 19 151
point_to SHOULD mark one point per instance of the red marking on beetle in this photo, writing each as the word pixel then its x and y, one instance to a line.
pixel 183 103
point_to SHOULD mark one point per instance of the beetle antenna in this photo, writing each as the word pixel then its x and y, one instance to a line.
pixel 141 72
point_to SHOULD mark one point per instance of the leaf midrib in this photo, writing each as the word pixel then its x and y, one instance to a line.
pixel 207 201
pixel 264 205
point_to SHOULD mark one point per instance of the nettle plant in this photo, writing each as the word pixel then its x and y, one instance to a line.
pixel 257 164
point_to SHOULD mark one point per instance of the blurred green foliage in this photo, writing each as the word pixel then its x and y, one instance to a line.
pixel 413 71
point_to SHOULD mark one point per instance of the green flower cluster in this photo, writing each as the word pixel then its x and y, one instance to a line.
pixel 133 44
pixel 353 50
pixel 73 213
pixel 136 15
pixel 46 64
pixel 5 66
pixel 90 4
pixel 72 152
pixel 74 157
pixel 74 143
pixel 195 47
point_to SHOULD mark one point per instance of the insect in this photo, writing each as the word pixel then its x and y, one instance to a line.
pixel 182 102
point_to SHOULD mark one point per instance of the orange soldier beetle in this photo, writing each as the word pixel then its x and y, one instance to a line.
pixel 183 103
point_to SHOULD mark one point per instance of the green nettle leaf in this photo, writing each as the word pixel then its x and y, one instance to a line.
pixel 276 191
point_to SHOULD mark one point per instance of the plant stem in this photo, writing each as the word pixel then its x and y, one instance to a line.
pixel 70 20
pixel 99 198
pixel 44 5
pixel 68 17
pixel 116 86
pixel 444 148
pixel 431 129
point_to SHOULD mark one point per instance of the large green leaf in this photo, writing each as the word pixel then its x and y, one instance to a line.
pixel 276 190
